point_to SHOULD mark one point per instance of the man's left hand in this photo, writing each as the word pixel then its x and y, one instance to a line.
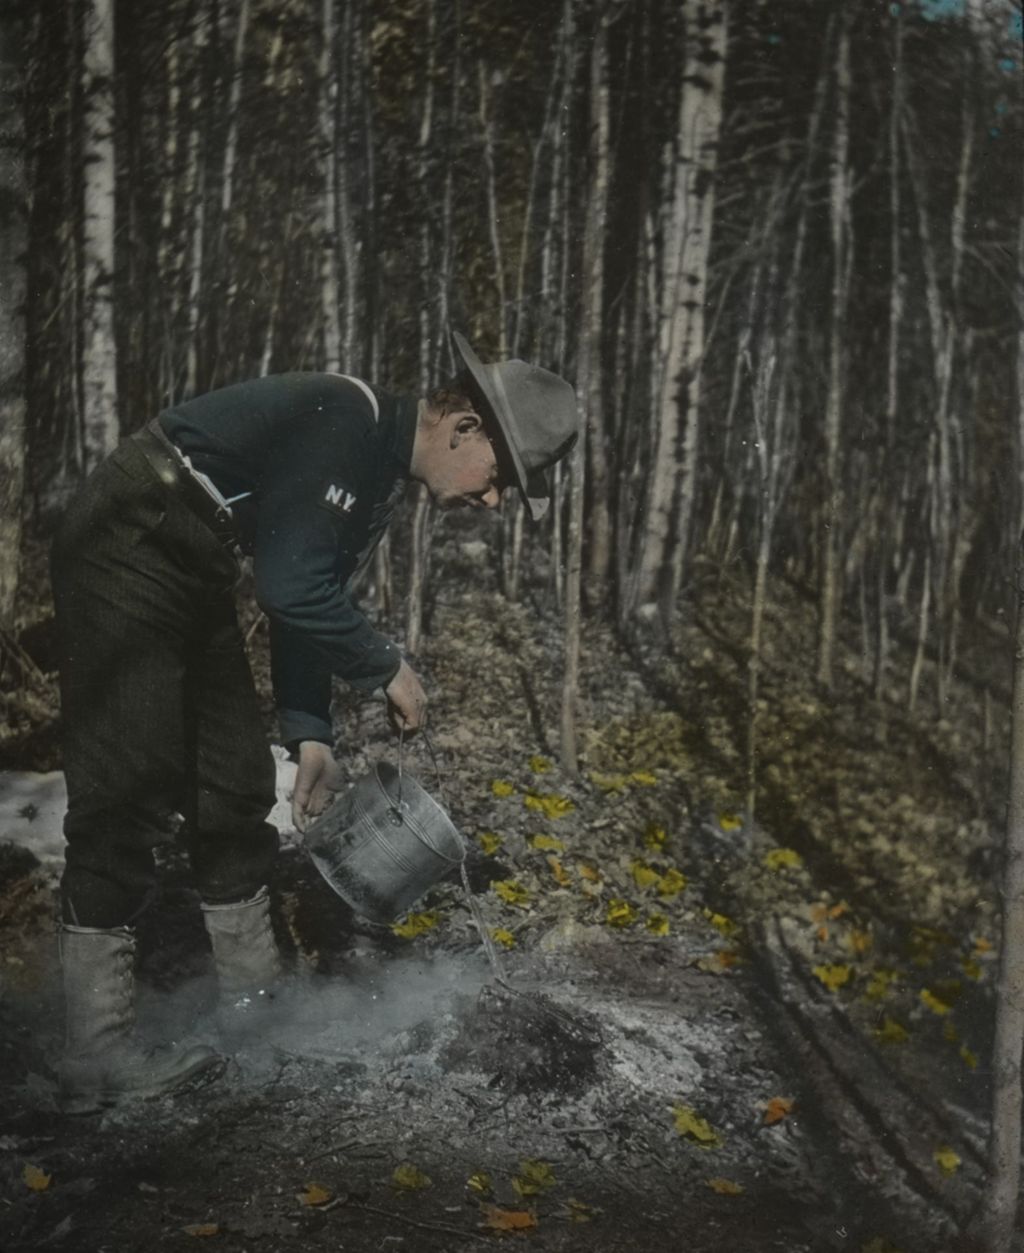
pixel 319 777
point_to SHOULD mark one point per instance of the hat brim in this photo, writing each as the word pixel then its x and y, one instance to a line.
pixel 533 488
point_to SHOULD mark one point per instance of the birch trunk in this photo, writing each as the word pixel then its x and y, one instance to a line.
pixel 830 595
pixel 99 356
pixel 330 140
pixel 684 265
pixel 13 223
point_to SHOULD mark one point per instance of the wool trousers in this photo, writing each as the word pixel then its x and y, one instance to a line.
pixel 160 716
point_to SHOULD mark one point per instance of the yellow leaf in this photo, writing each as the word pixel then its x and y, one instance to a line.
pixel 507 1219
pixel 689 1124
pixel 657 924
pixel 480 1183
pixel 949 1032
pixel 534 1176
pixel 934 1004
pixel 608 782
pixel 202 1229
pixel 724 926
pixel 859 941
pixel 643 875
pixel 562 876
pixel 655 837
pixel 730 822
pixel 416 924
pixel 778 1108
pixel 540 765
pixel 671 883
pixel 36 1179
pixel 880 983
pixel 314 1195
pixel 545 843
pixel 620 913
pixel 891 1032
pixel 971 968
pixel 580 1212
pixel 969 1058
pixel 489 842
pixel 503 937
pixel 588 872
pixel 500 788
pixel 721 961
pixel 725 1187
pixel 644 777
pixel 550 805
pixel 947 1160
pixel 982 945
pixel 783 859
pixel 410 1177
pixel 511 892
pixel 833 977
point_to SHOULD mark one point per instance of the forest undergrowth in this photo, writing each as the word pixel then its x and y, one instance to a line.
pixel 853 919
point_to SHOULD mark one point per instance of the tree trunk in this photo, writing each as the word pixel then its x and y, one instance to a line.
pixel 684 266
pixel 830 593
pixel 99 356
pixel 13 234
pixel 331 139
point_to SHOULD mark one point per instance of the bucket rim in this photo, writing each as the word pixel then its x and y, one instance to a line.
pixel 421 793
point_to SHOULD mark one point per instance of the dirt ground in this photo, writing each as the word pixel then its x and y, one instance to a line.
pixel 713 1033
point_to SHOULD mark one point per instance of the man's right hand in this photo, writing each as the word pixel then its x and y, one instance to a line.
pixel 407 701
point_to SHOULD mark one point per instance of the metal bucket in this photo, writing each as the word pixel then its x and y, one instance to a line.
pixel 383 843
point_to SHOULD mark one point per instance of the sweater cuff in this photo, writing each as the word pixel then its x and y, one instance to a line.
pixel 370 682
pixel 296 726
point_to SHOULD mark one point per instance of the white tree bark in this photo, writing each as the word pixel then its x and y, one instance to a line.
pixel 12 299
pixel 684 268
pixel 99 359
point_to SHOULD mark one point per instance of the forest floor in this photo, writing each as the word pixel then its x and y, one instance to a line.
pixel 722 1033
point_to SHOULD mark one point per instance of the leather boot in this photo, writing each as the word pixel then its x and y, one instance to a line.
pixel 103 1064
pixel 245 954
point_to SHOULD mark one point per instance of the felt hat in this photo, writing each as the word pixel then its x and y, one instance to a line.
pixel 535 412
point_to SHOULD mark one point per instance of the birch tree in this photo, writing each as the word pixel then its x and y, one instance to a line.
pixel 13 207
pixel 99 355
pixel 684 255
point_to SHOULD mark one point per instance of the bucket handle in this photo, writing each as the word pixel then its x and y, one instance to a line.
pixel 396 808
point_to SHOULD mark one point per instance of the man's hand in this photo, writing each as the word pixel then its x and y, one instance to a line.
pixel 319 777
pixel 407 701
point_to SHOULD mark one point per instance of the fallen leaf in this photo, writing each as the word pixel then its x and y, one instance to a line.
pixel 655 837
pixel 38 1180
pixel 776 1109
pixel 500 788
pixel 783 859
pixel 511 892
pixel 550 805
pixel 880 984
pixel 546 843
pixel 644 777
pixel 657 924
pixel 690 1125
pixel 410 1177
pixel 314 1195
pixel 934 1004
pixel 540 765
pixel 969 1058
pixel 859 941
pixel 982 945
pixel 971 968
pixel 489 842
pixel 580 1212
pixel 480 1182
pixel 724 926
pixel 534 1176
pixel 591 873
pixel 725 1187
pixel 562 877
pixel 719 962
pixel 608 783
pixel 507 1219
pixel 950 1033
pixel 643 875
pixel 504 937
pixel 671 883
pixel 947 1160
pixel 620 913
pixel 891 1032
pixel 416 924
pixel 833 977
pixel 730 822
pixel 202 1229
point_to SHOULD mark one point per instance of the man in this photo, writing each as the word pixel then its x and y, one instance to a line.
pixel 160 714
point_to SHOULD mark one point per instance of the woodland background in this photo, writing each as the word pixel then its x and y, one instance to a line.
pixel 779 247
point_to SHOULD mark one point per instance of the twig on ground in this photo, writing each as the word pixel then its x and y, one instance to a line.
pixel 444 1228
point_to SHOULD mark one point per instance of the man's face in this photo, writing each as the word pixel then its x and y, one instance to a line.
pixel 465 471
